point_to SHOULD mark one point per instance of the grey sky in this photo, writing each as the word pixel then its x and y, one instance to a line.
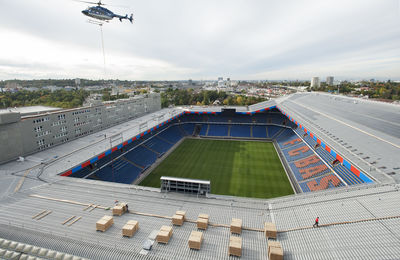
pixel 180 39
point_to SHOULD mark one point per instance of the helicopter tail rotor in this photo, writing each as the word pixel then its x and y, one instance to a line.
pixel 131 18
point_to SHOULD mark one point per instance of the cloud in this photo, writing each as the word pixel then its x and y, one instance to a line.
pixel 179 39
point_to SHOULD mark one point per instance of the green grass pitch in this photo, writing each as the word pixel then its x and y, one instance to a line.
pixel 237 168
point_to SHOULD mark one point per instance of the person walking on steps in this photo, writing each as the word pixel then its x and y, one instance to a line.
pixel 316 222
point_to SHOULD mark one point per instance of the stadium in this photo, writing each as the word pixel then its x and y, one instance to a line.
pixel 284 161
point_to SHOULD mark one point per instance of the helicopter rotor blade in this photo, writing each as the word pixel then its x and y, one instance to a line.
pixel 88 2
pixel 100 3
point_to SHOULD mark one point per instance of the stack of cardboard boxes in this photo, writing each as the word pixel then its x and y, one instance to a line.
pixel 275 251
pixel 179 218
pixel 236 226
pixel 130 228
pixel 195 240
pixel 164 234
pixel 270 230
pixel 202 221
pixel 104 223
pixel 235 246
pixel 120 209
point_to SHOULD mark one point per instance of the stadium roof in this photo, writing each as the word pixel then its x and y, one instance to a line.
pixel 372 214
pixel 365 237
pixel 367 133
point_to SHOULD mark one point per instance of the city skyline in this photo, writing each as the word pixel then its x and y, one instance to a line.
pixel 203 40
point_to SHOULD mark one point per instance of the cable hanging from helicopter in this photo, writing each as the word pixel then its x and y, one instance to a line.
pixel 101 15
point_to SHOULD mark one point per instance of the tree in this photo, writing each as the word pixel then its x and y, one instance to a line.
pixel 239 101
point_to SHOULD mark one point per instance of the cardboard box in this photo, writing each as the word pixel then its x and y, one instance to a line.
pixel 119 209
pixel 275 253
pixel 182 213
pixel 273 244
pixel 236 226
pixel 195 240
pixel 203 216
pixel 124 206
pixel 104 223
pixel 235 246
pixel 163 237
pixel 177 220
pixel 202 223
pixel 270 230
pixel 167 229
pixel 130 228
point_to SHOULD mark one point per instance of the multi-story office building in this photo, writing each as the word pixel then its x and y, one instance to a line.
pixel 23 133
pixel 329 81
pixel 315 83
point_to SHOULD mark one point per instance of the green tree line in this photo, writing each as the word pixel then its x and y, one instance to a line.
pixel 379 90
pixel 59 98
pixel 206 97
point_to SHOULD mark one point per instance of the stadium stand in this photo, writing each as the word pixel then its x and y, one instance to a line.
pixel 276 118
pixel 192 118
pixel 242 119
pixel 342 171
pixel 259 131
pixel 307 169
pixel 120 171
pixel 203 130
pixel 218 118
pixel 285 137
pixel 260 118
pixel 272 131
pixel 171 135
pixel 188 128
pixel 240 131
pixel 217 130
pixel 322 183
pixel 142 156
pixel 157 145
pixel 297 151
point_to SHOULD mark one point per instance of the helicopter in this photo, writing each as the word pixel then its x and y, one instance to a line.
pixel 103 14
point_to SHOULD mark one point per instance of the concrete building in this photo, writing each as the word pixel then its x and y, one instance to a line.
pixel 23 132
pixel 315 83
pixel 329 80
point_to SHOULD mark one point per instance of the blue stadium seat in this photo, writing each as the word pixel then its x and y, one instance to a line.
pixel 273 130
pixel 172 134
pixel 299 176
pixel 189 128
pixel 157 145
pixel 276 118
pixel 240 131
pixel 218 130
pixel 218 118
pixel 299 155
pixel 286 136
pixel 203 130
pixel 238 118
pixel 142 156
pixel 261 118
pixel 120 171
pixel 305 188
pixel 259 131
pixel 349 177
